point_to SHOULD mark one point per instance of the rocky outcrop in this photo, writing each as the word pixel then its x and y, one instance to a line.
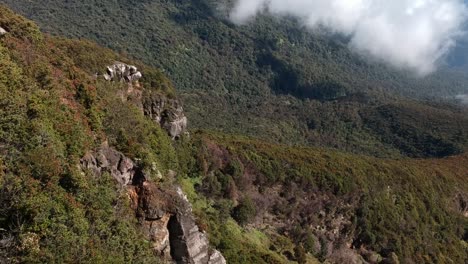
pixel 167 219
pixel 107 159
pixel 2 31
pixel 167 112
pixel 122 72
pixel 154 209
pixel 188 243
pixel 216 258
pixel 165 214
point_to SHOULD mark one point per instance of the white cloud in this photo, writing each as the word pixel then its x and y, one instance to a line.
pixel 463 98
pixel 414 34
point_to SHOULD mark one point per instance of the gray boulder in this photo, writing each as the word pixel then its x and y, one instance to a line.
pixel 109 160
pixel 216 258
pixel 167 112
pixel 2 31
pixel 122 72
pixel 175 123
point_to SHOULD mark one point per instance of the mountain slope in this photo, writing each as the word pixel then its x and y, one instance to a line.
pixel 338 207
pixel 53 113
pixel 270 79
pixel 87 175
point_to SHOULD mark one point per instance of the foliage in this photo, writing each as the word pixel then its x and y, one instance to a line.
pixel 391 198
pixel 270 79
pixel 237 244
pixel 53 112
pixel 245 211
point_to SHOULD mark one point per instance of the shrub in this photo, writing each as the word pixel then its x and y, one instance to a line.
pixel 245 211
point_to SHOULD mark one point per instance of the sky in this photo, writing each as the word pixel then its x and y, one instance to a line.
pixel 408 34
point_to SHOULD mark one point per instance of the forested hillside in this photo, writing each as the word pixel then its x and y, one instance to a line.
pixel 53 111
pixel 336 207
pixel 271 79
pixel 90 168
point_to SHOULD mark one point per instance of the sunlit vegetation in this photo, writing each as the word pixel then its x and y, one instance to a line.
pixel 271 79
pixel 53 111
pixel 255 199
pixel 247 180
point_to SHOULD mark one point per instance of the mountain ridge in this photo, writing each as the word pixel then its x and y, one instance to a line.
pixel 253 75
pixel 89 170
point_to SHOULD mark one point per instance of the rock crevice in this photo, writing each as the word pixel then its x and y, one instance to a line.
pixel 165 214
pixel 167 112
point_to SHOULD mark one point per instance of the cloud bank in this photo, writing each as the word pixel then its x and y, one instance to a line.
pixel 412 34
pixel 462 98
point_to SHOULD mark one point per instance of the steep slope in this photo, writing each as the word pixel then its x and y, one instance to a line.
pixel 85 175
pixel 271 79
pixel 337 207
pixel 89 172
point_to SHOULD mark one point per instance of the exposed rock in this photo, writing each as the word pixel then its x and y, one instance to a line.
pixel 109 160
pixel 165 214
pixel 167 112
pixel 122 72
pixel 188 244
pixel 2 31
pixel 158 233
pixel 175 124
pixel 168 221
pixel 216 258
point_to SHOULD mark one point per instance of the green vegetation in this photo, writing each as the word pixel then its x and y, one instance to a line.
pixel 52 113
pixel 278 190
pixel 259 202
pixel 270 79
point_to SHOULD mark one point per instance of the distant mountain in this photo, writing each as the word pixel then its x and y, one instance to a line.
pixel 96 164
pixel 271 79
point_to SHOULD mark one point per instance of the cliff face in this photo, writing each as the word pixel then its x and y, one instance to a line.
pixel 87 157
pixel 167 112
pixel 94 158
pixel 164 213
